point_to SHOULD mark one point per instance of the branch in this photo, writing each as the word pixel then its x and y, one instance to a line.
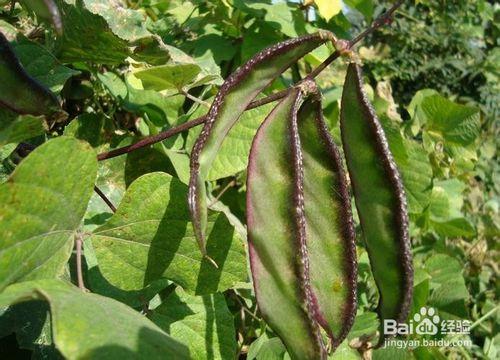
pixel 377 23
pixel 79 271
pixel 105 199
pixel 384 19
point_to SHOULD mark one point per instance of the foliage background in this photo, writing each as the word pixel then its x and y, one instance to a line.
pixel 129 69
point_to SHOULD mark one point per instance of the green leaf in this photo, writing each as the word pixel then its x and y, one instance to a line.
pixel 92 326
pixel 365 324
pixel 202 322
pixel 380 199
pixel 416 172
pixel 30 322
pixel 126 23
pixel 100 285
pixel 232 157
pixel 278 15
pixel 458 124
pixel 175 76
pixel 445 210
pixel 448 290
pixel 41 207
pixel 328 8
pixel 41 64
pixel 265 348
pixel 19 91
pixel 16 128
pixel 160 109
pixel 88 37
pixel 365 7
pixel 150 238
pixel 392 353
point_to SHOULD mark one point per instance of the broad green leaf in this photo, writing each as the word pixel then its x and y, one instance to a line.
pixel 445 210
pixel 204 323
pixel 232 157
pixel 36 237
pixel 448 291
pixel 414 164
pixel 218 47
pixel 417 99
pixel 182 12
pixel 392 353
pixel 126 23
pixel 88 37
pixel 16 128
pixel 365 324
pixel 380 199
pixel 42 65
pixel 265 348
pixel 30 321
pixel 160 109
pixel 98 284
pixel 19 91
pixel 278 15
pixel 365 7
pixel 452 122
pixel 175 76
pixel 92 326
pixel 150 238
pixel 237 92
pixel 37 60
pixel 345 352
pixel 416 172
pixel 113 84
pixel 328 8
pixel 257 38
pixel 421 290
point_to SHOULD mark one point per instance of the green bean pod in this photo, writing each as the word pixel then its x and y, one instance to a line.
pixel 300 229
pixel 237 92
pixel 380 199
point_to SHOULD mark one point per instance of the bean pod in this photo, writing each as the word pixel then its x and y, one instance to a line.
pixel 379 197
pixel 237 92
pixel 300 228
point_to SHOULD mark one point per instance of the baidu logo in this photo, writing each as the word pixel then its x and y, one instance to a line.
pixel 427 321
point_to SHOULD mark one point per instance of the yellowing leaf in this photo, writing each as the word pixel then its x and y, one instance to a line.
pixel 328 8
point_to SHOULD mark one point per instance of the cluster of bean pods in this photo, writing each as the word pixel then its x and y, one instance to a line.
pixel 301 236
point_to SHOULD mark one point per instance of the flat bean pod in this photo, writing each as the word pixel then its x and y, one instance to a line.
pixel 380 199
pixel 237 92
pixel 300 229
pixel 329 224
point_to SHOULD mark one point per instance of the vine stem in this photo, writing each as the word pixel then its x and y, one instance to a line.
pixel 383 19
pixel 105 198
pixel 79 271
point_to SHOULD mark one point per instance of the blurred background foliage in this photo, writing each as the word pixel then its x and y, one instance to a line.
pixel 126 69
